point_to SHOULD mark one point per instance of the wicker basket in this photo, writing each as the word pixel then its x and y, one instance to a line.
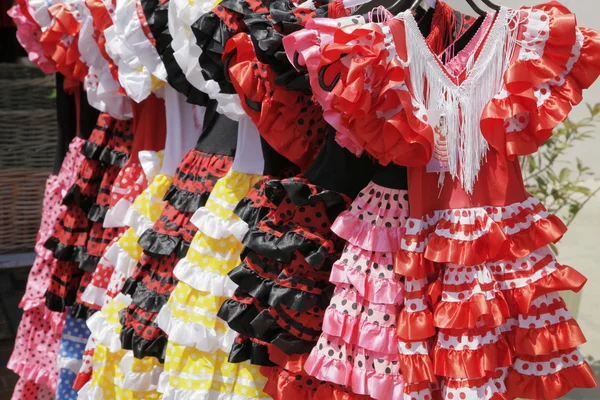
pixel 28 94
pixel 27 138
pixel 21 195
pixel 19 71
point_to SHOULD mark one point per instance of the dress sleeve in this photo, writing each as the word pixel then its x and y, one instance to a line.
pixel 359 80
pixel 554 61
pixel 290 121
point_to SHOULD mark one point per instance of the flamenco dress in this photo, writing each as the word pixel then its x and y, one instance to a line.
pixel 501 328
pixel 158 14
pixel 152 281
pixel 108 380
pixel 283 289
pixel 36 344
pixel 149 137
pixel 196 363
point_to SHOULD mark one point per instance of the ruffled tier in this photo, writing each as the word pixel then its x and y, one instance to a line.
pixel 554 64
pixel 190 373
pixel 371 274
pixel 546 327
pixel 297 288
pixel 456 356
pixel 476 235
pixel 62 290
pixel 195 178
pixel 375 220
pixel 363 372
pixel 358 322
pixel 194 334
pixel 262 199
pixel 549 377
pixel 525 279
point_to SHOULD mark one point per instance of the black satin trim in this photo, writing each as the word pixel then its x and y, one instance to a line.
pixel 141 347
pixel 248 350
pixel 81 311
pixel 281 248
pixel 92 150
pixel 211 36
pixel 114 157
pixel 250 214
pixel 185 201
pixel 239 316
pixel 130 286
pixel 158 23
pixel 268 330
pixel 268 292
pixel 89 263
pixel 159 244
pixel 57 303
pixel 74 196
pixel 148 299
pixel 63 252
pixel 97 213
pixel 301 194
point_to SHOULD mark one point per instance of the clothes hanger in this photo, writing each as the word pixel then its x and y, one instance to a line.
pixel 491 5
pixel 476 8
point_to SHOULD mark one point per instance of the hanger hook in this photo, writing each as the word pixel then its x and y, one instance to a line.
pixel 324 86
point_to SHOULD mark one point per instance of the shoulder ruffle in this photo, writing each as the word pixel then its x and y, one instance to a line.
pixel 555 60
pixel 290 121
pixel 358 79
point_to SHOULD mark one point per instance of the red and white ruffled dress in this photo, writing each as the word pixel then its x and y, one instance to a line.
pixel 476 243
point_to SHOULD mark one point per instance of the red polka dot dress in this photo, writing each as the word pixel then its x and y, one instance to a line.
pixel 475 239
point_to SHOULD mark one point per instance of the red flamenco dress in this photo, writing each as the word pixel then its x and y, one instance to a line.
pixel 476 243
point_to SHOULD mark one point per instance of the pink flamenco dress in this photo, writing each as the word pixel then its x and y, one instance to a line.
pixel 36 345
pixel 481 283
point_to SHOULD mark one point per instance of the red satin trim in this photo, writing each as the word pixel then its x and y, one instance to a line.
pixel 64 19
pixel 412 264
pixel 564 278
pixel 542 341
pixel 292 363
pixel 550 386
pixel 417 368
pixel 466 314
pixel 456 363
pixel 415 326
pixel 81 379
pixel 493 246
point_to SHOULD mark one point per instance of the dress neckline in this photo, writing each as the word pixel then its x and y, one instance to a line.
pixel 491 36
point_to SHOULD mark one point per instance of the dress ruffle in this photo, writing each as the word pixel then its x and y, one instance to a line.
pixel 476 235
pixel 555 63
pixel 296 132
pixel 372 113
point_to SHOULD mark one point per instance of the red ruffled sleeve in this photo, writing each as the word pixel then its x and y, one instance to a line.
pixel 553 62
pixel 360 82
pixel 290 121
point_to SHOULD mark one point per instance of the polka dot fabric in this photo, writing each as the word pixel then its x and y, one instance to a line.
pixel 72 346
pixel 359 347
pixel 283 279
pixel 152 280
pixel 196 355
pixel 38 336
